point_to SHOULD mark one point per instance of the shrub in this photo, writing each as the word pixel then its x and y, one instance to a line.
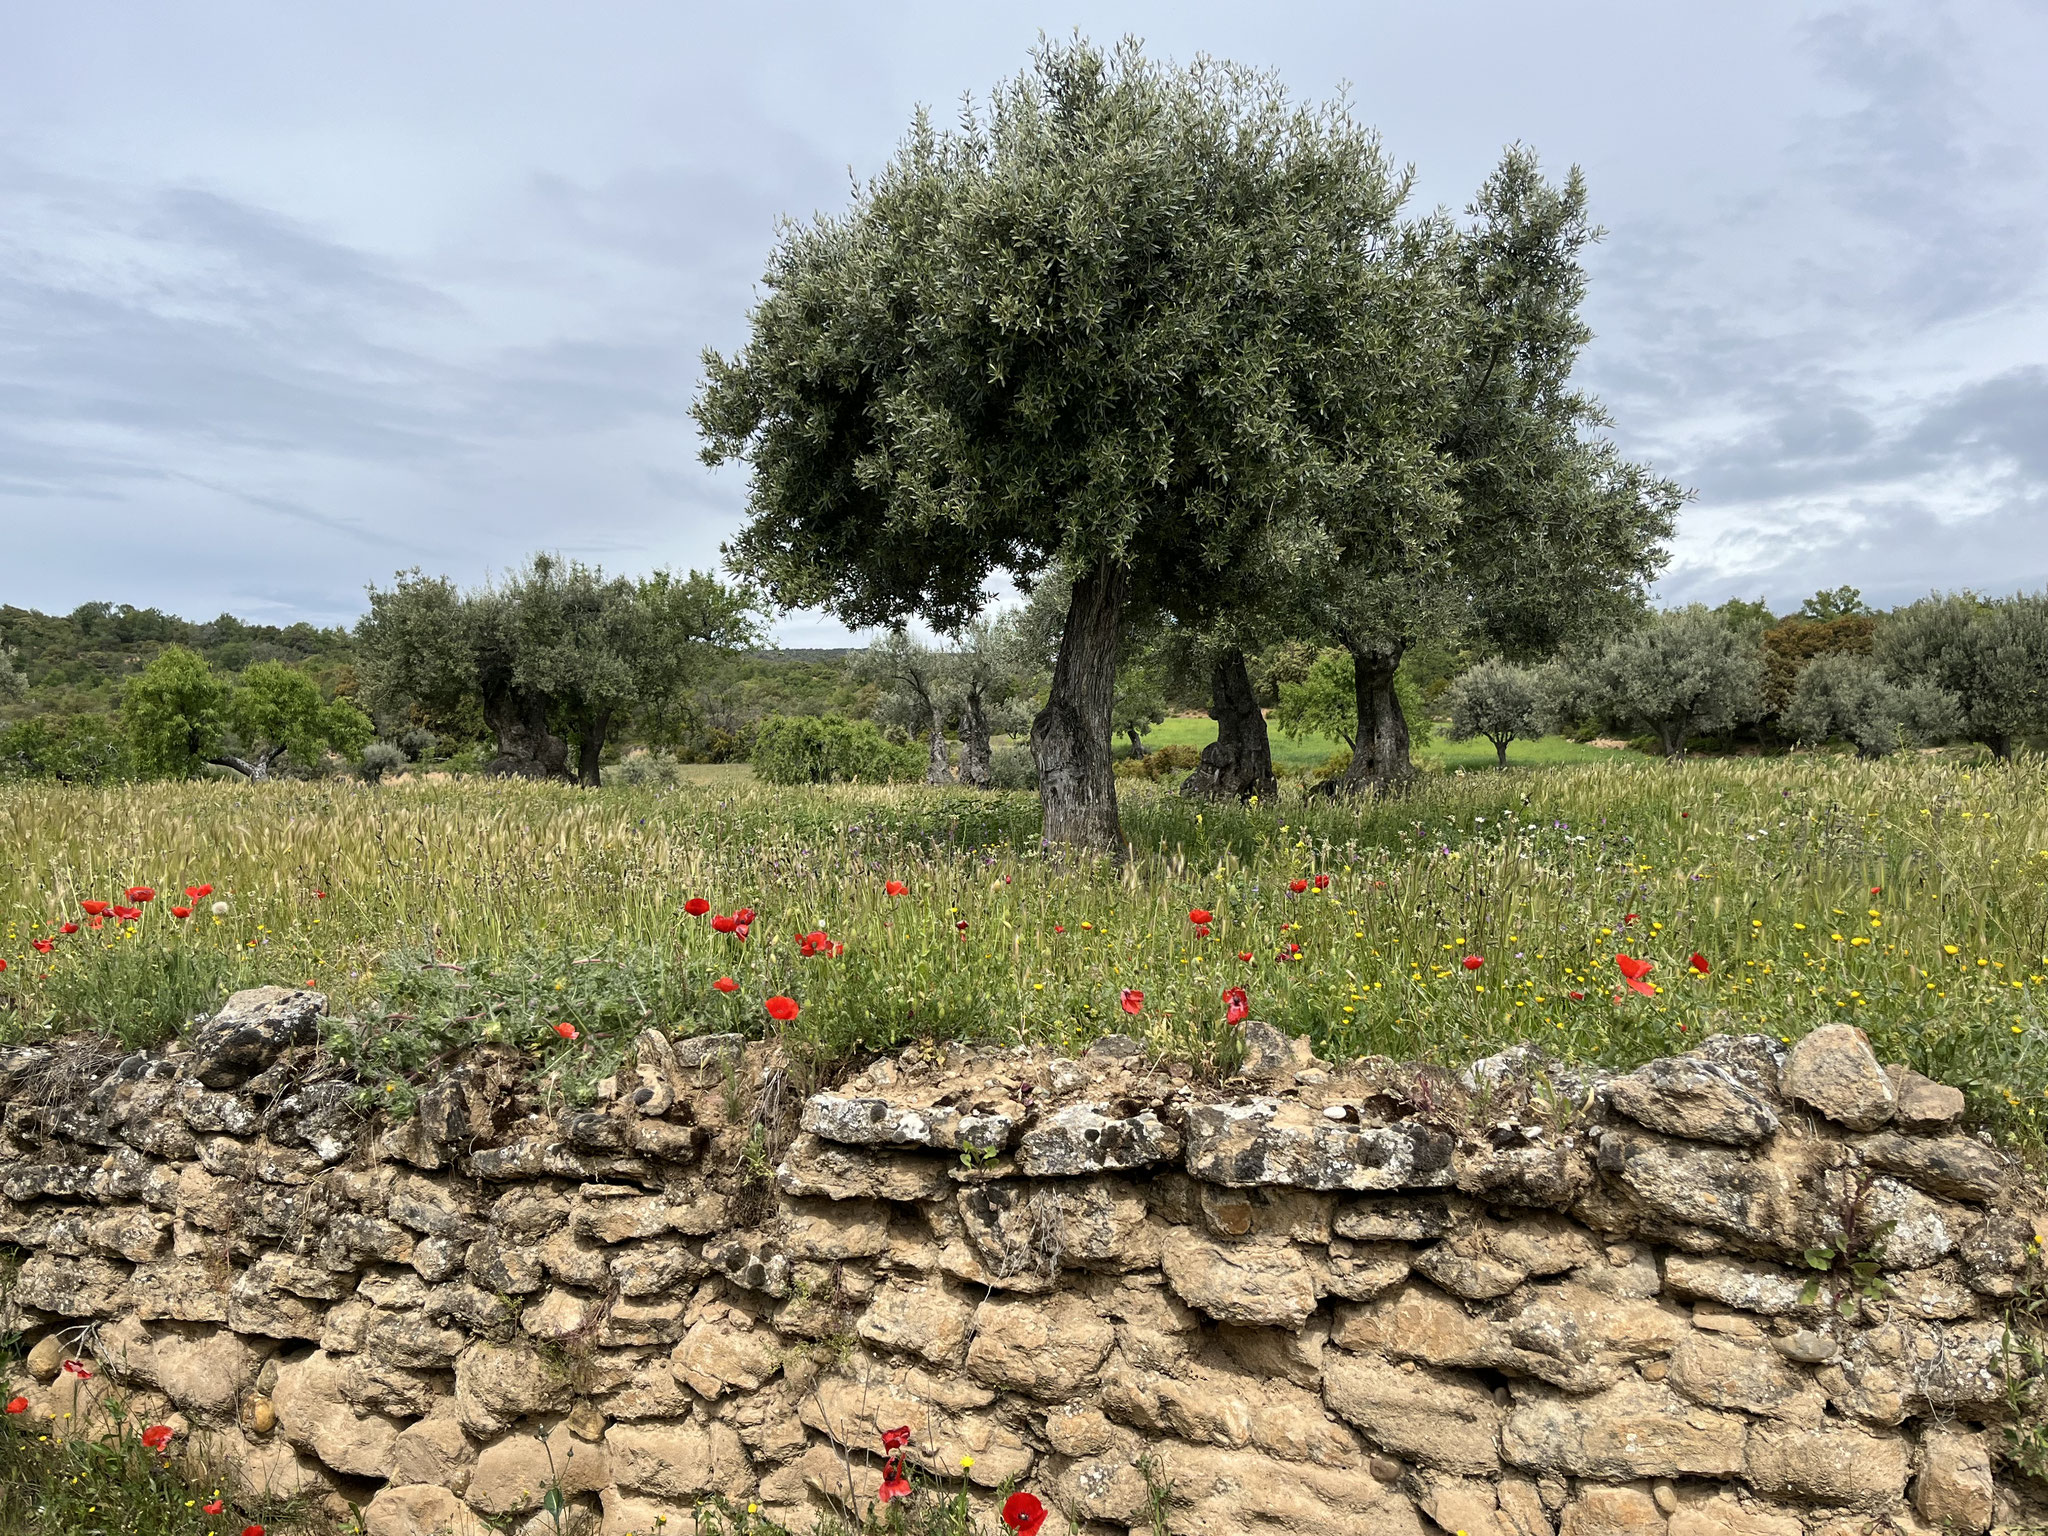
pixel 642 769
pixel 1012 768
pixel 417 742
pixel 1157 764
pixel 825 749
pixel 1850 696
pixel 380 758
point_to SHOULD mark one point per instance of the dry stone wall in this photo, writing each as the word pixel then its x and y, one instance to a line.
pixel 1370 1299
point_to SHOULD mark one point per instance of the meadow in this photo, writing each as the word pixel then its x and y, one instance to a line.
pixel 1909 897
pixel 1300 754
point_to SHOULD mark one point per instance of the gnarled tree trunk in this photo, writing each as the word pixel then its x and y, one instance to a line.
pixel 975 754
pixel 1070 736
pixel 1379 760
pixel 256 769
pixel 590 753
pixel 939 770
pixel 527 749
pixel 1239 761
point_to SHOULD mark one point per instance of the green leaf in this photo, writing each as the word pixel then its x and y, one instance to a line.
pixel 1819 1258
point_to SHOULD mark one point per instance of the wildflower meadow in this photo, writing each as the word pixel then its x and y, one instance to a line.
pixel 1610 911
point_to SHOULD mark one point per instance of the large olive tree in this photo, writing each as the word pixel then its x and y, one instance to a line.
pixel 1117 322
pixel 1991 654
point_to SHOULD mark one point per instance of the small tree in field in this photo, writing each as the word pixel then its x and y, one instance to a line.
pixel 985 672
pixel 1497 700
pixel 1684 673
pixel 178 716
pixel 1845 695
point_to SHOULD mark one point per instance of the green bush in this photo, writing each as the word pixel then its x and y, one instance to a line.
pixel 642 769
pixel 74 749
pixel 1158 763
pixel 1012 768
pixel 825 749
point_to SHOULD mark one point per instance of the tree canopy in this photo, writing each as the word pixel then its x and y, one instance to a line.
pixel 179 715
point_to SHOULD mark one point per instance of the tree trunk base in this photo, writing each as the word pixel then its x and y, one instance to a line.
pixel 527 749
pixel 1380 763
pixel 1070 737
pixel 1239 762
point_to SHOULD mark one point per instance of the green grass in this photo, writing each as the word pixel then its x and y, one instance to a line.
pixel 460 910
pixel 1313 751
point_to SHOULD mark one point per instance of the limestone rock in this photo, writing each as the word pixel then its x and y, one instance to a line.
pixel 253 1029
pixel 1722 1372
pixel 1634 1429
pixel 1691 1097
pixel 1693 1186
pixel 876 1122
pixel 419 1509
pixel 1270 1141
pixel 313 1415
pixel 1953 1490
pixel 1749 1284
pixel 1395 1218
pixel 1924 1104
pixel 814 1168
pixel 1957 1167
pixel 725 1354
pixel 1717 1512
pixel 1027 1232
pixel 1046 1348
pixel 1442 1419
pixel 1089 1138
pixel 498 1384
pixel 1361 1271
pixel 434 1450
pixel 513 1474
pixel 1828 1463
pixel 1601 1511
pixel 206 1371
pixel 1218 1492
pixel 72 1287
pixel 685 1460
pixel 1261 1282
pixel 832 1229
pixel 1834 1071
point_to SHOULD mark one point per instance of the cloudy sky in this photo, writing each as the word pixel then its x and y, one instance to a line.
pixel 294 297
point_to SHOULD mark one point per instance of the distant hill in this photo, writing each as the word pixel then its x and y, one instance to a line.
pixel 78 662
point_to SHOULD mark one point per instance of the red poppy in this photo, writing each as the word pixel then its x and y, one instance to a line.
pixel 1132 1000
pixel 97 924
pixel 1877 890
pixel 140 893
pixel 726 984
pixel 783 1008
pixel 566 1031
pixel 3 965
pixel 128 914
pixel 42 946
pixel 252 1530
pixel 739 931
pixel 897 888
pixel 198 892
pixel 696 906
pixel 319 895
pixel 1201 930
pixel 896 1439
pixel 1699 964
pixel 157 1436
pixel 1633 971
pixel 93 908
pixel 181 913
pixel 1244 954
pixel 1201 915
pixel 17 1405
pixel 894 1484
pixel 1236 1006
pixel 1627 918
pixel 743 916
pixel 1577 997
pixel 1322 882
pixel 214 1508
pixel 1059 928
pixel 1473 962
pixel 79 1369
pixel 961 925
pixel 69 928
pixel 1297 886
pixel 1023 1514
pixel 724 924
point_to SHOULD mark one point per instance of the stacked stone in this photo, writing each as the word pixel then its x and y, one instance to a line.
pixel 1533 1302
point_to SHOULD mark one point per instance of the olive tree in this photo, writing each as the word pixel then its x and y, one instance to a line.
pixel 988 667
pixel 1684 672
pixel 1114 323
pixel 1497 700
pixel 558 655
pixel 1990 654
pixel 912 675
pixel 1531 532
pixel 13 682
pixel 1846 695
